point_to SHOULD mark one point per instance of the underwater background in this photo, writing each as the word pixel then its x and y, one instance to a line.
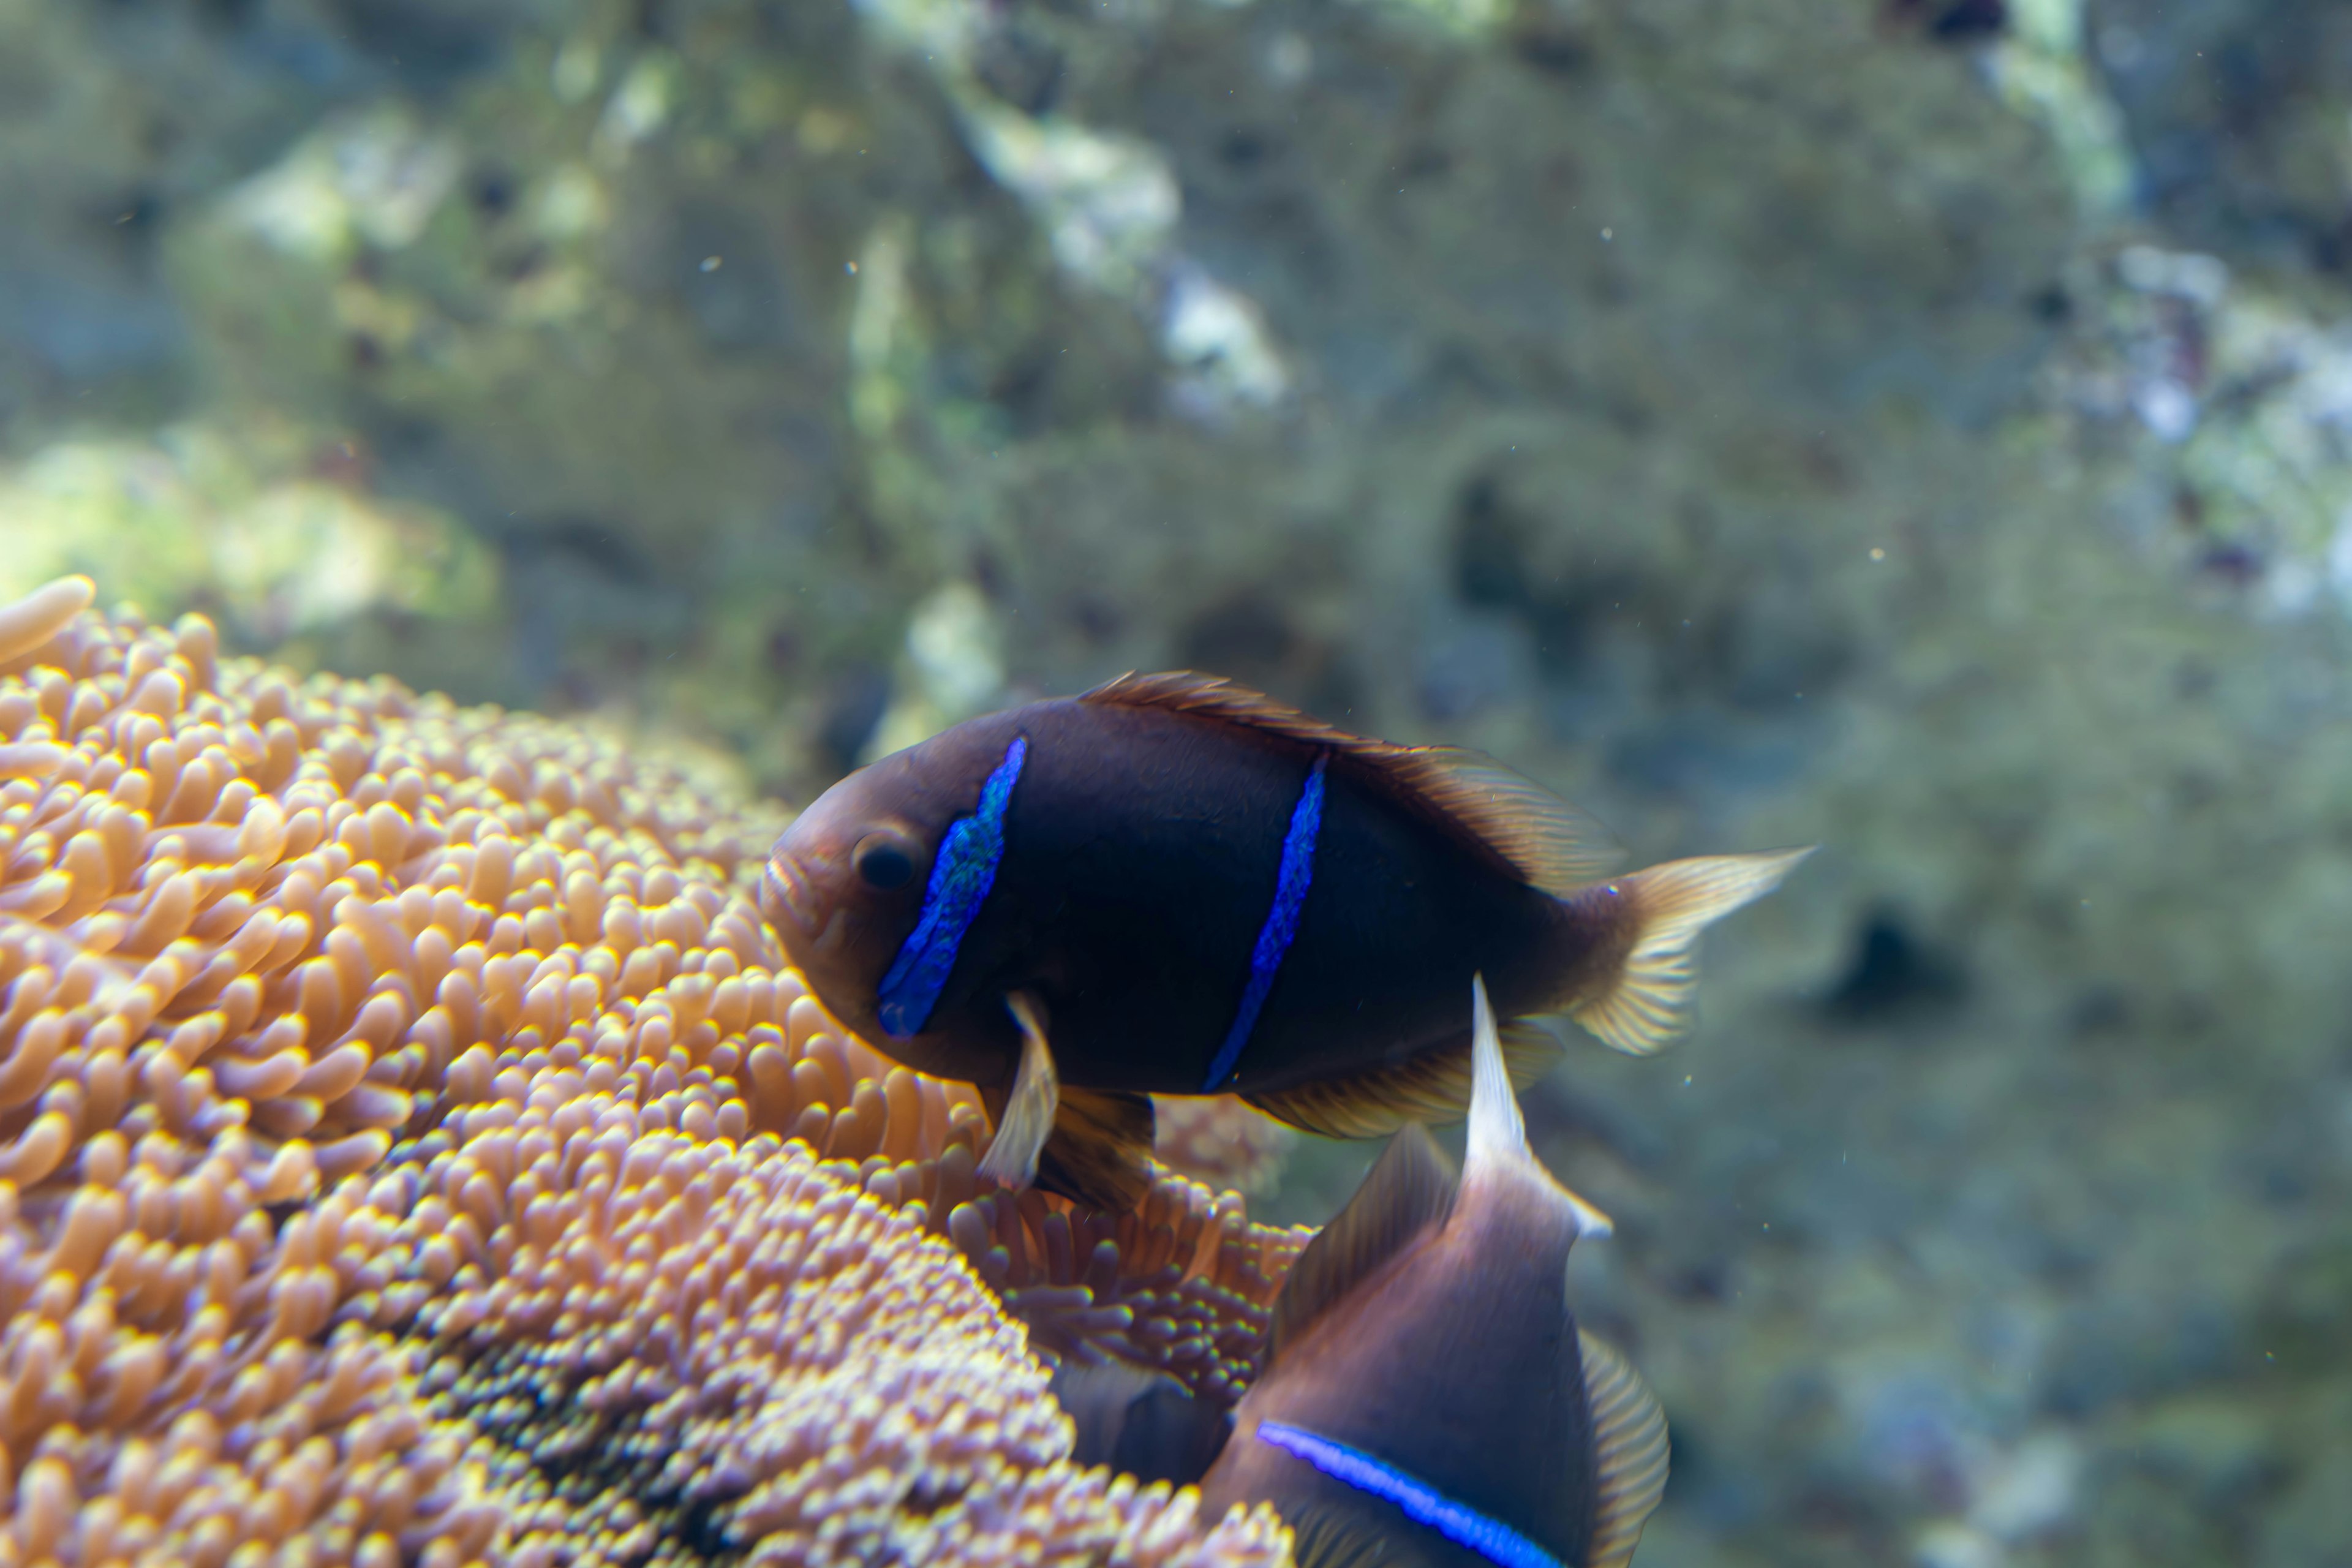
pixel 1922 427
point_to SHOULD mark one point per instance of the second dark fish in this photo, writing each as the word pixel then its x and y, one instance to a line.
pixel 1428 1399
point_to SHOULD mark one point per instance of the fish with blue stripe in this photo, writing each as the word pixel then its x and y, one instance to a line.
pixel 1428 1398
pixel 1175 885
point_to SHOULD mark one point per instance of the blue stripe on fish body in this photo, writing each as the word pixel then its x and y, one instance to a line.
pixel 962 876
pixel 1423 1504
pixel 1274 938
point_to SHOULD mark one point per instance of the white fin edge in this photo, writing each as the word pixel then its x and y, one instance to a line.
pixel 1589 1221
pixel 1497 1130
pixel 1652 1003
pixel 1011 1157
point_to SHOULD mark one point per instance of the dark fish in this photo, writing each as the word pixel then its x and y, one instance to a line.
pixel 1172 885
pixel 1428 1398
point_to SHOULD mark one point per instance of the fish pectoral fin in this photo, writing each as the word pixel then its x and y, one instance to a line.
pixel 1432 1086
pixel 1101 1150
pixel 1030 1108
pixel 1322 1536
pixel 1629 1453
pixel 1650 1003
pixel 1410 1189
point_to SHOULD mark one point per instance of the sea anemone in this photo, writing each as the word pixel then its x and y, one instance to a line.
pixel 413 1149
pixel 1221 1139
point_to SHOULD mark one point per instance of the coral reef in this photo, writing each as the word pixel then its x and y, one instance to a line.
pixel 411 1151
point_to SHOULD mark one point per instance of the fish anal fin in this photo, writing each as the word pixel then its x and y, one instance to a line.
pixel 1432 1086
pixel 1410 1188
pixel 1528 832
pixel 1630 1453
pixel 1099 1152
pixel 1326 1537
pixel 1030 1109
pixel 1650 1003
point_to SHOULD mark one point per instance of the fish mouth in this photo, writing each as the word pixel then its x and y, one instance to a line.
pixel 787 900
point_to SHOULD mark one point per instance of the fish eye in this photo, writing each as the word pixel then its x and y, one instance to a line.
pixel 884 861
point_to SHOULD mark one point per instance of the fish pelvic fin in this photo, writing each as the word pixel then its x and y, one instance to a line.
pixel 1630 1453
pixel 1030 1108
pixel 1435 1086
pixel 1651 1000
pixel 1523 829
pixel 1099 1151
pixel 1409 1190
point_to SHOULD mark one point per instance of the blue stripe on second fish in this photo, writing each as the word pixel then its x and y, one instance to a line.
pixel 1423 1504
pixel 1281 921
pixel 961 878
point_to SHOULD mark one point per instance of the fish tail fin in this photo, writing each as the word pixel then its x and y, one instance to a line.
pixel 1650 1002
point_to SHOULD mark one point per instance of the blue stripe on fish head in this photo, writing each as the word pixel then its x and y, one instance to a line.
pixel 1423 1504
pixel 1295 876
pixel 961 875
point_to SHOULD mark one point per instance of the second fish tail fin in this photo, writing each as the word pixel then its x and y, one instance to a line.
pixel 1650 1001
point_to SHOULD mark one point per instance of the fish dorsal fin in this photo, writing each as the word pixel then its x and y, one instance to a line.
pixel 1499 1135
pixel 1629 1453
pixel 1432 1086
pixel 1410 1188
pixel 1496 1131
pixel 1553 844
pixel 1322 1536
pixel 1529 832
